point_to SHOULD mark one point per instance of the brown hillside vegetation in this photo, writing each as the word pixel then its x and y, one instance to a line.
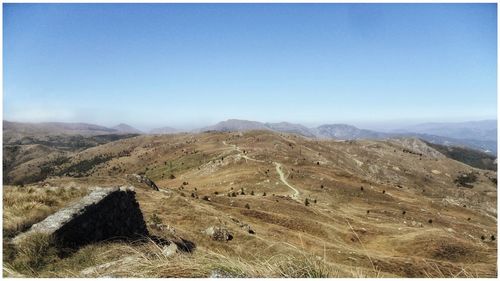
pixel 295 207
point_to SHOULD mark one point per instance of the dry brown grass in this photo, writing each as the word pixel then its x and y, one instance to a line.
pixel 37 256
pixel 289 236
pixel 25 206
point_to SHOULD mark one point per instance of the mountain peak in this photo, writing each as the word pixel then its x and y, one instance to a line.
pixel 125 128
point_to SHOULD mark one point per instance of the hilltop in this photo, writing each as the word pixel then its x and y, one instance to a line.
pixel 358 208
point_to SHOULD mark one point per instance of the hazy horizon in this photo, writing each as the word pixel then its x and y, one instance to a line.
pixel 193 65
pixel 386 126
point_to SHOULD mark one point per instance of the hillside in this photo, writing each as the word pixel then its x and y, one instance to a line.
pixel 474 158
pixel 53 128
pixel 358 208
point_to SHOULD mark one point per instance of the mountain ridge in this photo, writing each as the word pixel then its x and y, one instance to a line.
pixel 325 131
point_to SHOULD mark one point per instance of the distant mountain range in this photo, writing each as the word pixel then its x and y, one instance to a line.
pixel 481 130
pixel 480 135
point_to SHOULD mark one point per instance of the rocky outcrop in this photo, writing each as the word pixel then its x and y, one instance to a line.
pixel 106 213
pixel 416 146
pixel 219 233
pixel 145 180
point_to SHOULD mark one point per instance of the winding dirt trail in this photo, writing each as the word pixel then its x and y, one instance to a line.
pixel 283 179
pixel 295 194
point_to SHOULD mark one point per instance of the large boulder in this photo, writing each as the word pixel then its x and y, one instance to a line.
pixel 106 213
pixel 219 233
pixel 145 180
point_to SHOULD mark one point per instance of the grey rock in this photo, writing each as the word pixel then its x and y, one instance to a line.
pixel 106 213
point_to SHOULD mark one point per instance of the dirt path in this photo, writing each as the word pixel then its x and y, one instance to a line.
pixel 278 169
pixel 283 179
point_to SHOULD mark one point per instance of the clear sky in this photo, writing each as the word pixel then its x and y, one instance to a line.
pixel 187 65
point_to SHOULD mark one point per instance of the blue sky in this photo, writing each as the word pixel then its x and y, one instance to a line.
pixel 187 65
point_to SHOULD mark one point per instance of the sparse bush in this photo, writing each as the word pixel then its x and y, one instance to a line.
pixel 252 193
pixel 466 180
pixel 306 202
pixel 247 206
pixel 155 219
pixel 264 194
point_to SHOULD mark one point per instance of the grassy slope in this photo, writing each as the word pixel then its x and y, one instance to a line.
pixel 337 233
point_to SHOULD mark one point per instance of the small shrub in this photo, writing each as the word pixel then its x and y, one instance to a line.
pixel 252 193
pixel 429 221
pixel 247 206
pixel 264 194
pixel 156 219
pixel 306 202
